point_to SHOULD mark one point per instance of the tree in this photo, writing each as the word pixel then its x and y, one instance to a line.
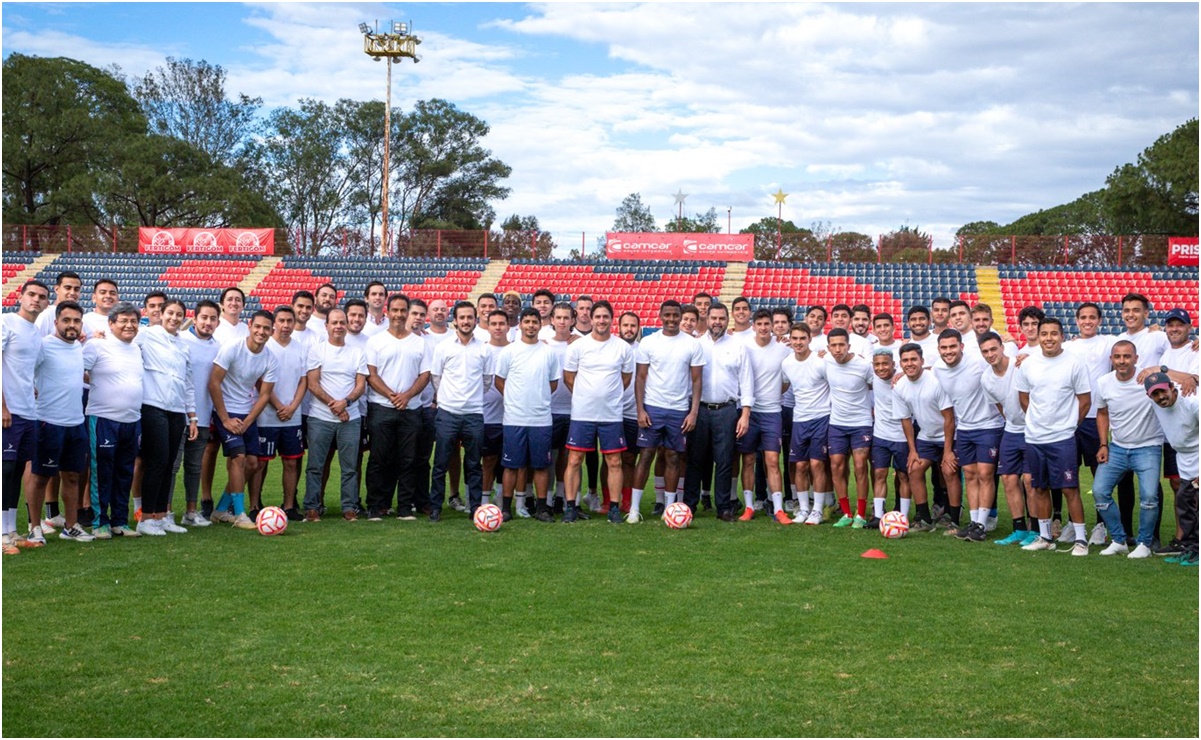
pixel 363 125
pixel 633 217
pixel 906 244
pixel 63 121
pixel 698 223
pixel 1158 195
pixel 187 100
pixel 520 236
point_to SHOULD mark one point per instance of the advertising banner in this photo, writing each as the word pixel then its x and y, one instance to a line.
pixel 675 246
pixel 1183 250
pixel 153 240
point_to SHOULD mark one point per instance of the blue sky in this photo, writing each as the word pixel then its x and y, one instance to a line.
pixel 870 115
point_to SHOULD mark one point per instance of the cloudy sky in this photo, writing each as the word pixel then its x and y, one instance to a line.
pixel 870 116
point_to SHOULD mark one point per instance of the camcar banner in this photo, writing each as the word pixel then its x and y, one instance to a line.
pixel 206 241
pixel 1183 250
pixel 676 246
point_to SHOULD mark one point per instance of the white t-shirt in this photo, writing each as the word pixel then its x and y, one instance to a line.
pixel 494 402
pixel 923 401
pixel 963 385
pixel 1094 354
pixel 59 380
pixel 560 400
pixel 432 341
pixel 1132 421
pixel 398 362
pixel 668 374
pixel 727 374
pixel 305 339
pixel 850 391
pixel 629 407
pixel 291 364
pixel 202 352
pixel 597 393
pixel 359 342
pixel 887 424
pixel 929 347
pixel 1052 384
pixel 94 323
pixel 340 367
pixel 809 385
pixel 243 369
pixel 227 332
pixel 1179 424
pixel 45 321
pixel 371 328
pixel 168 368
pixel 1150 346
pixel 527 370
pixel 115 368
pixel 462 370
pixel 21 344
pixel 1183 359
pixel 1001 390
pixel 766 364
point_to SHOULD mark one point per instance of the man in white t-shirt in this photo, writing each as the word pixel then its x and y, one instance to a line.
pixel 740 312
pixel 928 421
pixel 1150 345
pixel 376 297
pixel 279 426
pixel 398 371
pixel 884 332
pixel 1124 409
pixel 917 319
pixel 202 350
pixel 805 373
pixel 998 386
pixel 104 297
pixel 21 344
pixel 815 319
pixel 231 327
pixel 1048 383
pixel 850 432
pixel 629 329
pixel 763 435
pixel 527 373
pixel 68 287
pixel 597 370
pixel 667 394
pixel 494 409
pixel 324 301
pixel 562 318
pixel 484 306
pixel 237 405
pixel 1182 367
pixel 542 302
pixel 1178 418
pixel 889 448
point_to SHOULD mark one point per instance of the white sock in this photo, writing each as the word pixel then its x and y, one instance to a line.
pixel 827 498
pixel 10 521
pixel 486 498
pixel 659 485
pixel 983 516
pixel 137 502
pixel 802 498
pixel 520 500
pixel 1044 528
pixel 669 498
pixel 750 498
pixel 792 489
pixel 1081 534
pixel 905 502
pixel 498 490
pixel 878 507
pixel 777 501
pixel 659 496
pixel 559 489
pixel 819 500
pixel 635 499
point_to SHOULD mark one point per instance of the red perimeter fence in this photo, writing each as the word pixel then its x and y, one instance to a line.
pixel 1097 249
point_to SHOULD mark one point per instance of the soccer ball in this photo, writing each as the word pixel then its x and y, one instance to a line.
pixel 488 518
pixel 677 516
pixel 271 520
pixel 894 525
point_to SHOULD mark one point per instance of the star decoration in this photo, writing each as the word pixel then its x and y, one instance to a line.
pixel 779 195
pixel 680 196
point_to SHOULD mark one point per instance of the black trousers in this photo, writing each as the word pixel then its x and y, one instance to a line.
pixel 392 464
pixel 162 432
pixel 710 445
pixel 1186 514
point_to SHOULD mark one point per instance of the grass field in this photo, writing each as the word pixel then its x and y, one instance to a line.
pixel 413 628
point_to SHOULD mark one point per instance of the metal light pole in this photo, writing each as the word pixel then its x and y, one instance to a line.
pixel 779 195
pixel 391 47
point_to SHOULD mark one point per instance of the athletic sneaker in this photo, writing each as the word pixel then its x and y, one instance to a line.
pixel 581 514
pixel 990 523
pixel 873 523
pixel 570 512
pixel 168 525
pixel 1140 552
pixel 48 529
pixel 976 532
pixel 790 505
pixel 1067 534
pixel 1039 544
pixel 102 532
pixel 614 513
pixel 1189 560
pixel 845 521
pixel 522 512
pixel 747 514
pixel 150 528
pixel 36 535
pixel 593 502
pixel 457 504
pixel 758 505
pixel 1018 535
pixel 1098 535
pixel 858 522
pixel 657 510
pixel 960 533
pixel 1056 528
pixel 782 517
pixel 1080 549
pixel 125 531
pixel 1175 547
pixel 195 519
pixel 815 517
pixel 241 521
pixel 75 533
pixel 377 515
pixel 56 522
pixel 1116 548
pixel 222 516
pixel 802 516
pixel 543 514
pixel 921 526
pixel 945 522
pixel 10 549
pixel 294 514
pixel 633 517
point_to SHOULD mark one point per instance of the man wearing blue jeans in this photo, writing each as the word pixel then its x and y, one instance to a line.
pixel 337 378
pixel 1124 409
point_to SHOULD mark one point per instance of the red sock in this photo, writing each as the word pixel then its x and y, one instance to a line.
pixel 861 506
pixel 626 499
pixel 845 505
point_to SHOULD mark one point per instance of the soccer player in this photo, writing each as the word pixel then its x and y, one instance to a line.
pixel 766 357
pixel 703 301
pixel 917 318
pixel 1028 320
pixel 805 373
pixel 667 393
pixel 484 306
pixel 562 319
pixel 979 427
pixel 460 369
pixel 67 287
pixel 840 318
pixel 231 328
pixel 889 448
pixel 510 303
pixel 62 441
pixel 690 319
pixel 527 374
pixel 1047 383
pixel 781 325
pixel 202 350
pixel 940 315
pixel 114 414
pixel 861 323
pixel 494 408
pixel 542 302
pixel 21 344
pixel 279 426
pixel 583 316
pixel 740 311
pixel 237 404
pixel 152 308
pixel 815 319
pixel 1124 409
pixel 376 295
pixel 884 331
pixel 850 379
pixel 959 318
pixel 998 386
pixel 336 375
pixel 629 329
pixel 929 423
pixel 305 331
pixel 418 310
pixel 597 370
pixel 398 370
pixel 324 300
pixel 1178 417
pixel 104 297
pixel 1150 345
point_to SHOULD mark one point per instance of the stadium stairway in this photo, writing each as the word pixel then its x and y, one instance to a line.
pixel 257 273
pixel 988 285
pixel 735 279
pixel 30 272
pixel 489 278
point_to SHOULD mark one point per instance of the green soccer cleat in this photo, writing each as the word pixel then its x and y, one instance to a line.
pixel 845 521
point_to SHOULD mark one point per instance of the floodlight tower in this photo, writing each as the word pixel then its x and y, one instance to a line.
pixel 393 47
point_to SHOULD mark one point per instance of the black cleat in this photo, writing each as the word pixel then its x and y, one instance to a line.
pixel 658 510
pixel 570 513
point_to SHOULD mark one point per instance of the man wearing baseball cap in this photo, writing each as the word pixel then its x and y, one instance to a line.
pixel 1177 415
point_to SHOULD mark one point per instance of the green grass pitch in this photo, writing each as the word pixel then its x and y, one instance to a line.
pixel 413 628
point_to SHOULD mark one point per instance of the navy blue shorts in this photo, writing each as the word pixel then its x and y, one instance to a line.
pixel 287 442
pixel 62 449
pixel 629 428
pixel 559 424
pixel 232 444
pixel 21 441
pixel 527 447
pixel 763 434
pixel 886 451
pixel 1054 465
pixel 1012 458
pixel 978 446
pixel 1088 442
pixel 847 439
pixel 931 451
pixel 494 440
pixel 810 440
pixel 665 429
pixel 582 436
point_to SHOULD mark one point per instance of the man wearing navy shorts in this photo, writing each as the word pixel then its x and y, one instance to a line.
pixel 629 328
pixel 494 407
pixel 889 449
pixel 597 370
pixel 667 393
pixel 929 425
pixel 850 379
pixel 766 357
pixel 21 344
pixel 238 366
pixel 280 429
pixel 805 373
pixel 1055 393
pixel 562 318
pixel 1011 459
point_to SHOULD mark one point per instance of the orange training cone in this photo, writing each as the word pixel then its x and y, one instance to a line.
pixel 874 554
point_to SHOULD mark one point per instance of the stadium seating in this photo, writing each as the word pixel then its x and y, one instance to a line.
pixel 449 279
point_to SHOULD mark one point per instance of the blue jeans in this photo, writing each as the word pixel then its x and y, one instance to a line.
pixel 1144 462
pixel 468 430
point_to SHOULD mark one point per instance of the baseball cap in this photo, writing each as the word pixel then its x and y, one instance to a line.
pixel 1180 315
pixel 1157 381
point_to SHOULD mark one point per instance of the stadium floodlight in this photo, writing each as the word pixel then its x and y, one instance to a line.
pixel 364 29
pixel 400 27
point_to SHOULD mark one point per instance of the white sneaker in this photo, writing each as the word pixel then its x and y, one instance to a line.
pixel 221 516
pixel 1039 544
pixel 168 524
pixel 1098 535
pixel 150 527
pixel 758 506
pixel 815 517
pixel 241 521
pixel 48 528
pixel 195 519
pixel 801 516
pixel 633 517
pixel 56 522
pixel 75 533
pixel 125 531
pixel 522 512
pixel 1116 548
pixel 36 535
pixel 1067 534
pixel 790 505
pixel 1080 549
pixel 990 524
pixel 1140 552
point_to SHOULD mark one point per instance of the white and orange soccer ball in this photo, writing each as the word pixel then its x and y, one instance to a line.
pixel 488 518
pixel 271 520
pixel 677 516
pixel 894 525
